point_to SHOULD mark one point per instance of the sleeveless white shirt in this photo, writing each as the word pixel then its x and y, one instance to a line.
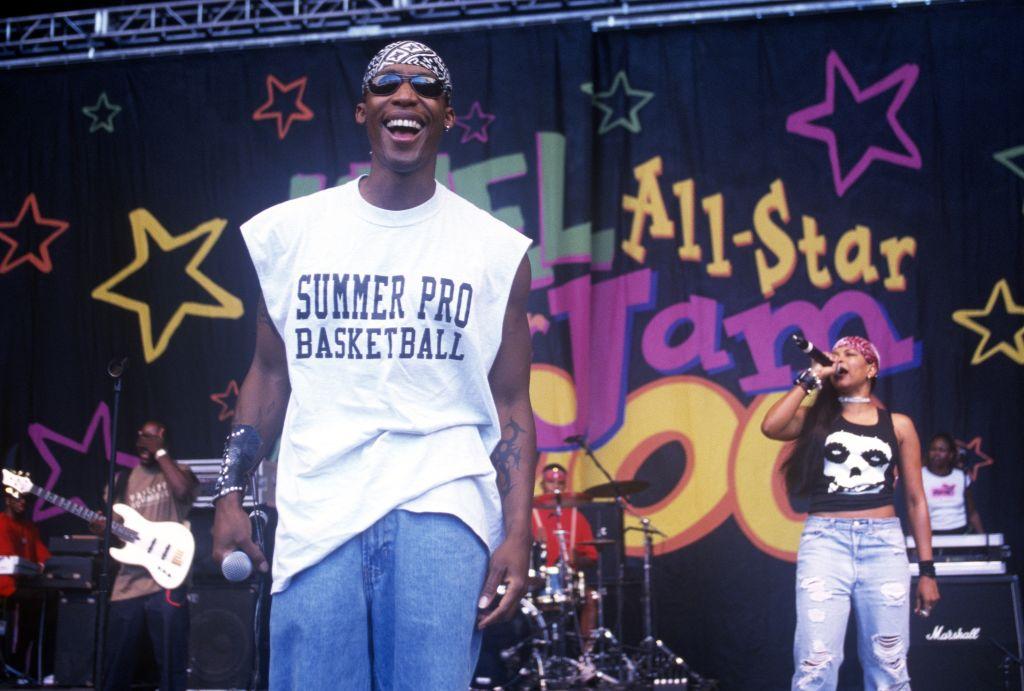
pixel 947 506
pixel 391 321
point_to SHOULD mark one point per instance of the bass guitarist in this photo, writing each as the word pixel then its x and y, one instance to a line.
pixel 160 490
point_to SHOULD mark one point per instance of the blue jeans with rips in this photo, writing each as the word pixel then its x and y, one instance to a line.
pixel 393 608
pixel 858 561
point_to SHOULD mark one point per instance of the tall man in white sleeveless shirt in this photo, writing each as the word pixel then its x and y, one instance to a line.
pixel 393 356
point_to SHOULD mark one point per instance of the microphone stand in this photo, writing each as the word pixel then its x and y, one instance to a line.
pixel 655 657
pixel 116 371
pixel 260 518
pixel 620 501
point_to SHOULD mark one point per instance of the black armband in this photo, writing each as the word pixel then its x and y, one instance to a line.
pixel 241 456
pixel 808 381
pixel 926 568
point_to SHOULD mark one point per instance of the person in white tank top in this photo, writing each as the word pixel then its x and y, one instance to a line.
pixel 393 358
pixel 947 488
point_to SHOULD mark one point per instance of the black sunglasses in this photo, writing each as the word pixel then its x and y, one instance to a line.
pixel 387 84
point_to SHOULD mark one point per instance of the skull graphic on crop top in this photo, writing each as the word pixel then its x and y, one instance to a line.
pixel 856 463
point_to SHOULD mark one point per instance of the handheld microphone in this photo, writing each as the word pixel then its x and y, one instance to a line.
pixel 577 439
pixel 236 567
pixel 811 351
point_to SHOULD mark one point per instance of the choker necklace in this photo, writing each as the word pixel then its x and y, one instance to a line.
pixel 854 399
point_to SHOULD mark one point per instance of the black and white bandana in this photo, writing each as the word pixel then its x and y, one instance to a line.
pixel 409 53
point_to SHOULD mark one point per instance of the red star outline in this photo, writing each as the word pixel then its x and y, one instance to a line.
pixel 42 261
pixel 227 411
pixel 974 446
pixel 302 111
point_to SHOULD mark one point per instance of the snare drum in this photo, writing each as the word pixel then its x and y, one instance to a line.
pixel 555 593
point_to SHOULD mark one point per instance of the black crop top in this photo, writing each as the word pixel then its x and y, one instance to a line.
pixel 858 467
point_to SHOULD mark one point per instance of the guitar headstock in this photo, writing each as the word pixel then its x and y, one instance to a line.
pixel 17 480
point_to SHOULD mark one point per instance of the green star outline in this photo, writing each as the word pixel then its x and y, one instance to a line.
pixel 106 123
pixel 632 124
pixel 1006 157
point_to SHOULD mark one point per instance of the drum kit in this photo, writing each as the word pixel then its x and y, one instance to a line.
pixel 547 645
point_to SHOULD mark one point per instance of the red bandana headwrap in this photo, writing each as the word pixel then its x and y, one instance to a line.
pixel 862 346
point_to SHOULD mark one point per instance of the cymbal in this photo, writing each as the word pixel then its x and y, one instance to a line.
pixel 598 542
pixel 569 500
pixel 626 488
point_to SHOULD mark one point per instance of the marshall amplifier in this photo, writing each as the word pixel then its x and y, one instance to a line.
pixel 972 640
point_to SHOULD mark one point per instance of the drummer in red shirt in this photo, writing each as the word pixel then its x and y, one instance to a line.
pixel 19 537
pixel 577 530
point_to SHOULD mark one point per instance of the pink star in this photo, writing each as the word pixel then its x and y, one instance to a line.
pixel 801 121
pixel 538 323
pixel 42 261
pixel 42 436
pixel 474 131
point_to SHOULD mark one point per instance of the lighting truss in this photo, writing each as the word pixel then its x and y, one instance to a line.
pixel 207 25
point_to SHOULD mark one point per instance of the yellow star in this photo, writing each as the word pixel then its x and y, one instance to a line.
pixel 143 224
pixel 966 318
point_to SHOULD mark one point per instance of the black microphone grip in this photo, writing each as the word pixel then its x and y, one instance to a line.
pixel 811 351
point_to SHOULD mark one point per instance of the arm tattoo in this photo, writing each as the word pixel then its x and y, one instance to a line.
pixel 507 456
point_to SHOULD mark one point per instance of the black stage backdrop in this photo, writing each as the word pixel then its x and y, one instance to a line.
pixel 694 195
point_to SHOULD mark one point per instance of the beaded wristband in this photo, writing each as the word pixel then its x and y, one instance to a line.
pixel 808 381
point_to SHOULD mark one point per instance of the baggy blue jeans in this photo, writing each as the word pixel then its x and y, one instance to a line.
pixel 858 561
pixel 392 608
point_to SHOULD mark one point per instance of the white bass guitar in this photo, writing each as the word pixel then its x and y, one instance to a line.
pixel 165 549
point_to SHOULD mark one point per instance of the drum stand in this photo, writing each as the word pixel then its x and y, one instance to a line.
pixel 605 659
pixel 654 658
pixel 560 670
pixel 620 501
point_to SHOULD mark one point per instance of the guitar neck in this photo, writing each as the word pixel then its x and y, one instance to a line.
pixel 83 513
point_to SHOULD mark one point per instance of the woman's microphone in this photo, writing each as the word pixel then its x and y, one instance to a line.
pixel 811 351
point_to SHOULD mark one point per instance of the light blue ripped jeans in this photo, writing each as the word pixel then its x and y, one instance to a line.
pixel 862 561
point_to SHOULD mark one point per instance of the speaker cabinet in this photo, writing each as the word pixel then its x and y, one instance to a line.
pixel 967 638
pixel 76 639
pixel 221 644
